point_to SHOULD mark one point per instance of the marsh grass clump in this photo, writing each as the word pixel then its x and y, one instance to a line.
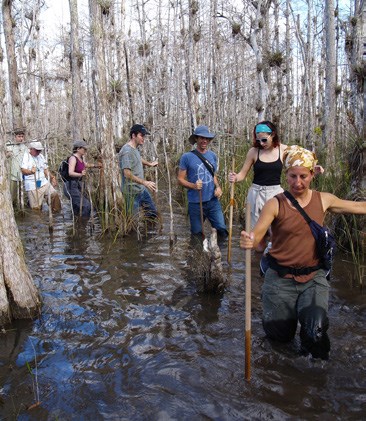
pixel 351 240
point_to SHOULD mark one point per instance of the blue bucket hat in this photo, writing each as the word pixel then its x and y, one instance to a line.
pixel 201 131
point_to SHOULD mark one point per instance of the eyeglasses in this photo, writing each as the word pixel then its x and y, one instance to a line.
pixel 263 140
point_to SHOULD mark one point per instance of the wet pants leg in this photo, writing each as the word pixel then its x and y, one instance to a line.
pixel 195 218
pixel 212 211
pixel 285 302
pixel 144 200
pixel 279 297
pixel 72 190
pixel 313 318
pixel 55 203
pixel 55 198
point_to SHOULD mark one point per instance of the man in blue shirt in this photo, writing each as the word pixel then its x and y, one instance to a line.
pixel 197 170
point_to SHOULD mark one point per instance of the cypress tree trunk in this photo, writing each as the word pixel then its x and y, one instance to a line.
pixel 262 101
pixel 76 60
pixel 330 82
pixel 19 297
pixel 110 193
pixel 16 103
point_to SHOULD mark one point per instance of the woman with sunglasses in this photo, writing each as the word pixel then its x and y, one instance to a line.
pixel 265 156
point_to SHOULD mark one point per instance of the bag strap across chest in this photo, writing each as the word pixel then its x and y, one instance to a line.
pixel 296 204
pixel 205 161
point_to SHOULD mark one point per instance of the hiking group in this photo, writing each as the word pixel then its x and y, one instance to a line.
pixel 295 288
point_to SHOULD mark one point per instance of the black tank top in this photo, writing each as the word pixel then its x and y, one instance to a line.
pixel 268 173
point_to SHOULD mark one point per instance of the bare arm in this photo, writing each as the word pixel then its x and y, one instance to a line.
pixel 148 184
pixel 149 164
pixel 182 180
pixel 249 161
pixel 268 214
pixel 334 204
pixel 72 165
pixel 218 191
pixel 25 171
pixel 52 178
pixel 97 165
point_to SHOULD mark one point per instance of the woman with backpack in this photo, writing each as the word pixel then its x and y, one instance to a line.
pixel 295 287
pixel 74 183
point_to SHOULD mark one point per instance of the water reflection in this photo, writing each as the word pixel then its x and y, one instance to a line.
pixel 124 334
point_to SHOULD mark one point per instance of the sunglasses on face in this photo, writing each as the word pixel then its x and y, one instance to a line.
pixel 262 140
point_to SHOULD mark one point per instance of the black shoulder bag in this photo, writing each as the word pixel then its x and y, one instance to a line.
pixel 206 162
pixel 325 242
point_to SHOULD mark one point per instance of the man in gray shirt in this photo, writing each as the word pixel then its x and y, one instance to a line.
pixel 134 186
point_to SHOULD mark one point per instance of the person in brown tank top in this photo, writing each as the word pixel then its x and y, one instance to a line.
pixel 303 294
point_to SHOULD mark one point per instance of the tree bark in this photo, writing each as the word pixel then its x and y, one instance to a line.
pixel 261 105
pixel 190 60
pixel 330 82
pixel 111 195
pixel 289 133
pixel 354 51
pixel 16 103
pixel 76 61
pixel 19 298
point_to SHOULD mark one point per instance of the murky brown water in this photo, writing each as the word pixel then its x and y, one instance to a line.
pixel 125 336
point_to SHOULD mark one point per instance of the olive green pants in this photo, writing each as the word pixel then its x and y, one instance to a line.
pixel 287 303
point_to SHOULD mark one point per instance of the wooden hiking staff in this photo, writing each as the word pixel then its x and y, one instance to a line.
pixel 82 197
pixel 88 193
pixel 231 215
pixel 49 200
pixel 201 213
pixel 156 174
pixel 21 195
pixel 50 214
pixel 248 298
pixel 37 194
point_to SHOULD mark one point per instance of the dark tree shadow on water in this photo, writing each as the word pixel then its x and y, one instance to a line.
pixel 13 342
pixel 203 307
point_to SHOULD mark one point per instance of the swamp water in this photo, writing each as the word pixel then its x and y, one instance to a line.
pixel 124 335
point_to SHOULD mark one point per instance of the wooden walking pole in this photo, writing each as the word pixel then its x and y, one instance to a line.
pixel 156 173
pixel 248 298
pixel 81 198
pixel 50 214
pixel 201 213
pixel 37 194
pixel 156 177
pixel 231 215
pixel 21 195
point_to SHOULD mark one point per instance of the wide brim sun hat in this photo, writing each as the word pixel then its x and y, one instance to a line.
pixel 201 131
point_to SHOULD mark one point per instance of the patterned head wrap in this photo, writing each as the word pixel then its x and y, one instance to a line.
pixel 296 156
